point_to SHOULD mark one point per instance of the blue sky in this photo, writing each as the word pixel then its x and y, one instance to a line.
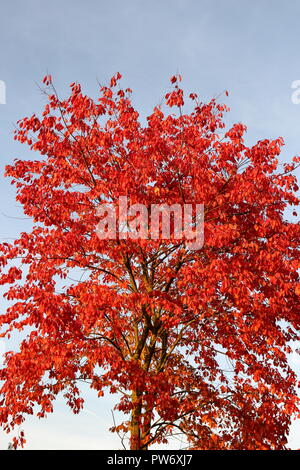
pixel 249 48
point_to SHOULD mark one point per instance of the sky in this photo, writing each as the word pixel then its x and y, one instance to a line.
pixel 250 49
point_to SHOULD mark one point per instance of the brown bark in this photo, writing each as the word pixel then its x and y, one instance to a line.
pixel 135 426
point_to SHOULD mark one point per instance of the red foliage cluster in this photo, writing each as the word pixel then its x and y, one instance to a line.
pixel 192 340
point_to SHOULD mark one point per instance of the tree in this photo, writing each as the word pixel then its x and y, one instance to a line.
pixel 193 340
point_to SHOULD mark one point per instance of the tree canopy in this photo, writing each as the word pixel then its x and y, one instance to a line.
pixel 192 341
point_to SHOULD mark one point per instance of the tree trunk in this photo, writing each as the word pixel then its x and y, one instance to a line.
pixel 146 430
pixel 135 426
